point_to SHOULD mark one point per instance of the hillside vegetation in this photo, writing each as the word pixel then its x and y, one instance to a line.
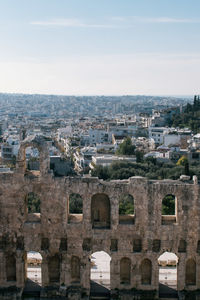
pixel 190 117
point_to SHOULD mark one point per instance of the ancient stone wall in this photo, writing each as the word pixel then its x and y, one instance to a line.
pixel 67 242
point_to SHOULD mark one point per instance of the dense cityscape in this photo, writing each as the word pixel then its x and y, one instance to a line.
pixel 85 132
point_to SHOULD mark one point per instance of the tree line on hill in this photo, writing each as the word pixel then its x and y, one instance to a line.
pixel 190 117
pixel 149 168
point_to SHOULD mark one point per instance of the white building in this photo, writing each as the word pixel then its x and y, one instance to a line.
pixel 194 142
pixel 178 137
pixel 106 160
pixel 99 136
pixel 83 157
pixel 157 134
pixel 170 136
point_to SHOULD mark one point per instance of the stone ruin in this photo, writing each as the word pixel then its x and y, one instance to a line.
pixel 66 241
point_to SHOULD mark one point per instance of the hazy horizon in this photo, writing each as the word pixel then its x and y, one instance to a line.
pixel 98 95
pixel 131 47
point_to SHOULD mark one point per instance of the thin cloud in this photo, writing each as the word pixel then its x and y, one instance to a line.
pixel 112 22
pixel 164 20
pixel 70 23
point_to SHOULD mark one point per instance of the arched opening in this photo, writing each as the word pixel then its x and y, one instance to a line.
pixel 54 269
pixel 75 269
pixel 11 267
pixel 100 211
pixel 169 209
pixel 190 272
pixel 34 266
pixel 125 270
pixel 146 271
pixel 168 274
pixel 100 273
pixel 32 156
pixel 75 208
pixel 126 209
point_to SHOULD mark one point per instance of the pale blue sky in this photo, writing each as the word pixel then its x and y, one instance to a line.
pixel 87 47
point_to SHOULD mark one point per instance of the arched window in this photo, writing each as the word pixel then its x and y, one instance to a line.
pixel 146 270
pixel 11 267
pixel 54 269
pixel 190 272
pixel 100 211
pixel 169 209
pixel 126 209
pixel 75 268
pixel 125 270
pixel 33 203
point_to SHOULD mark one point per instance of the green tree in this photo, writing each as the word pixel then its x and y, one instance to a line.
pixel 100 172
pixel 168 205
pixel 126 147
pixel 139 156
pixel 126 205
pixel 183 161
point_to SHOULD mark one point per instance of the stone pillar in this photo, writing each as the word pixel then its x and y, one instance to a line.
pixel 181 272
pixel 2 269
pixel 155 274
pixel 20 166
pixel 197 272
pixel 114 213
pixel 114 272
pixel 20 269
pixel 85 273
pixel 44 271
pixel 63 267
pixel 86 209
pixel 68 270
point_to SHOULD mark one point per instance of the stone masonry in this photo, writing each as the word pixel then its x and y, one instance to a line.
pixel 66 241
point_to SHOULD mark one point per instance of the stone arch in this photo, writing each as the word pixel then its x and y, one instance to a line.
pixel 125 270
pixel 190 272
pixel 146 271
pixel 126 209
pixel 54 269
pixel 39 143
pixel 100 211
pixel 75 268
pixel 169 209
pixel 11 267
